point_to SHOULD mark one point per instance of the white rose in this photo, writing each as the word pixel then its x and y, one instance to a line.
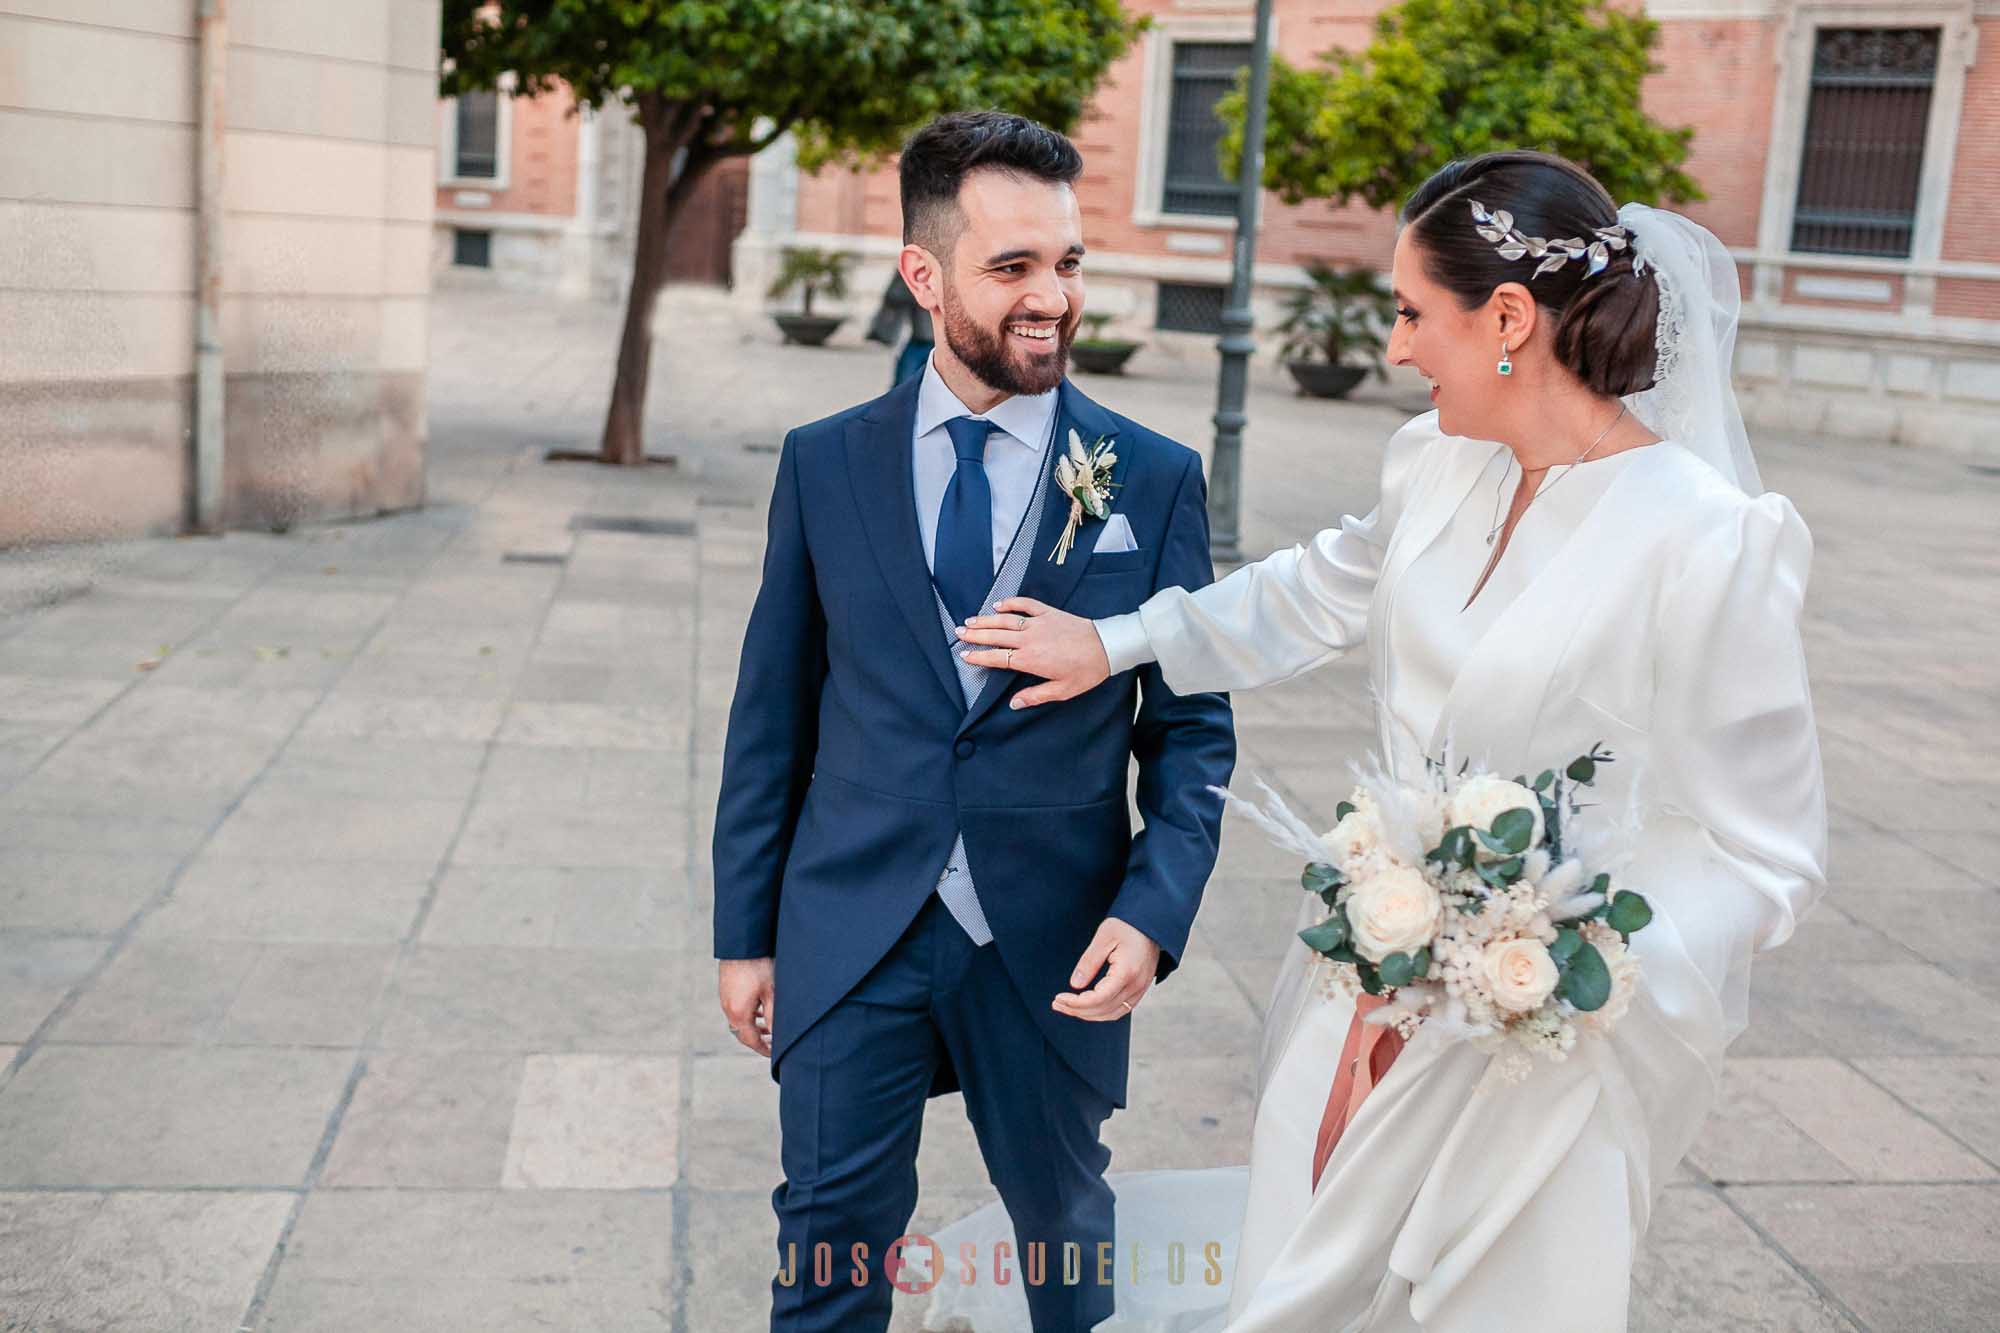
pixel 1481 800
pixel 1354 842
pixel 1519 974
pixel 1395 911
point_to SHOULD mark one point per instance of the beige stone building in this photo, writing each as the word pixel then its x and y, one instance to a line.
pixel 215 239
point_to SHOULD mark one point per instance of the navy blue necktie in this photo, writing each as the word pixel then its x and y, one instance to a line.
pixel 962 559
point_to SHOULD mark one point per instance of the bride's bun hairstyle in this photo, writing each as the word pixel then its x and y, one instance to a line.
pixel 1560 238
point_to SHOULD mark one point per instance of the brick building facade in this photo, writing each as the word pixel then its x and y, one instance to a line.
pixel 1850 153
pixel 537 193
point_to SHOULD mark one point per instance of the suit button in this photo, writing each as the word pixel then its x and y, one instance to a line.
pixel 965 749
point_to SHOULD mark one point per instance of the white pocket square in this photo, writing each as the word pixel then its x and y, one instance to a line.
pixel 1117 536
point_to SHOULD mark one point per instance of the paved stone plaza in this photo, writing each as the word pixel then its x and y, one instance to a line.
pixel 354 888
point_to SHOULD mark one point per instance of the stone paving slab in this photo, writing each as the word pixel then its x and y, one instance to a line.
pixel 133 1259
pixel 354 885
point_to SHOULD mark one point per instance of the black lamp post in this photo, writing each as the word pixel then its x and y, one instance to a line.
pixel 1225 469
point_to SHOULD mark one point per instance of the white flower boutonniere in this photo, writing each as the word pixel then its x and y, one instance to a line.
pixel 1085 476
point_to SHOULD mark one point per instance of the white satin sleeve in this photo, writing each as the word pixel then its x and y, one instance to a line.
pixel 1735 747
pixel 1294 610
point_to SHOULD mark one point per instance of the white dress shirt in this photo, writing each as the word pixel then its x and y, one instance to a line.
pixel 1013 454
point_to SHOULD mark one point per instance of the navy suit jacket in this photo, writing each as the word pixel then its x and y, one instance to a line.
pixel 852 760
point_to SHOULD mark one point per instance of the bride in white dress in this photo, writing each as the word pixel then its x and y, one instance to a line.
pixel 1639 590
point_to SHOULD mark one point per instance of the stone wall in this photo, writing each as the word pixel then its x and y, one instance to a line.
pixel 329 176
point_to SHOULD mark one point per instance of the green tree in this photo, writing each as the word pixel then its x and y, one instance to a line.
pixel 1445 79
pixel 711 79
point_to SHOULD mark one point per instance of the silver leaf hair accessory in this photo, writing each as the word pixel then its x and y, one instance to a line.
pixel 1497 227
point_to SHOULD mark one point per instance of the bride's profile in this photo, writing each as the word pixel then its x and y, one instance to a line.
pixel 1572 549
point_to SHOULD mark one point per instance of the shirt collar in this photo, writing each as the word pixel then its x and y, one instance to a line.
pixel 1024 418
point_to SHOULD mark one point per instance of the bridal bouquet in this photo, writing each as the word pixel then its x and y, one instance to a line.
pixel 1457 901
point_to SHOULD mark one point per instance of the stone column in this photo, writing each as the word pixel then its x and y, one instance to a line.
pixel 772 220
pixel 580 239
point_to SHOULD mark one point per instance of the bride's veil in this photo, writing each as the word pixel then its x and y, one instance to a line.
pixel 1693 401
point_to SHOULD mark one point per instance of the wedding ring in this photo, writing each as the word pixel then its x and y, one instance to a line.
pixel 1023 623
pixel 1127 1004
pixel 1010 659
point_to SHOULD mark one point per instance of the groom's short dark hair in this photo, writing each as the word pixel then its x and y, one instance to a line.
pixel 937 159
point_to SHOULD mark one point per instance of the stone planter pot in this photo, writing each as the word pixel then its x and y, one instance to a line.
pixel 808 330
pixel 1102 356
pixel 1321 380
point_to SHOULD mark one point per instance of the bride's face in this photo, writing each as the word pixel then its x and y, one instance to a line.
pixel 1457 349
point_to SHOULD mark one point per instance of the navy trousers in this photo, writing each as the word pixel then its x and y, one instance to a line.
pixel 851 1095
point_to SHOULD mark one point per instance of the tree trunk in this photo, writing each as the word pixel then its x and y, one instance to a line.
pixel 625 423
pixel 662 195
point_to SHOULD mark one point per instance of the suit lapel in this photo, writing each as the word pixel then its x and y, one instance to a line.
pixel 1045 580
pixel 878 469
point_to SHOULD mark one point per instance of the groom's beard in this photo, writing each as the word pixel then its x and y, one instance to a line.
pixel 985 352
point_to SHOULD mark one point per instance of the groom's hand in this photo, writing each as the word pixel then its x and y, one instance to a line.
pixel 1023 634
pixel 747 987
pixel 1129 959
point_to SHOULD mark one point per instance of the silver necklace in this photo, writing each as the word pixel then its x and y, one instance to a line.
pixel 1498 522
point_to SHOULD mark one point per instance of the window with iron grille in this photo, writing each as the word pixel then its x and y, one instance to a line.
pixel 478 153
pixel 1190 307
pixel 1864 144
pixel 472 249
pixel 1203 72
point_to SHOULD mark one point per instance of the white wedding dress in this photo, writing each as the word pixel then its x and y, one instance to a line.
pixel 1649 602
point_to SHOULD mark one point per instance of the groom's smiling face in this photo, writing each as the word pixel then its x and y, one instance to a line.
pixel 1009 292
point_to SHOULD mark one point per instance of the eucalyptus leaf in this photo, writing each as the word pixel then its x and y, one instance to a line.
pixel 1548 775
pixel 1586 981
pixel 1345 954
pixel 1398 969
pixel 1629 912
pixel 1343 810
pixel 1455 848
pixel 1581 769
pixel 1328 934
pixel 1371 980
pixel 1568 941
pixel 1515 829
pixel 1319 876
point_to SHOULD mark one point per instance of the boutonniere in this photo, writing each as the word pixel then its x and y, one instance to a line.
pixel 1085 477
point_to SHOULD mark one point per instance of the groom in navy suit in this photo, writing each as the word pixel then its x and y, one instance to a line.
pixel 919 888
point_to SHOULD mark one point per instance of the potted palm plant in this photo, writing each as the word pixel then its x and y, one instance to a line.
pixel 1333 330
pixel 1098 354
pixel 811 271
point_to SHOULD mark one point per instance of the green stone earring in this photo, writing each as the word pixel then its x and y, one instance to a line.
pixel 1506 366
